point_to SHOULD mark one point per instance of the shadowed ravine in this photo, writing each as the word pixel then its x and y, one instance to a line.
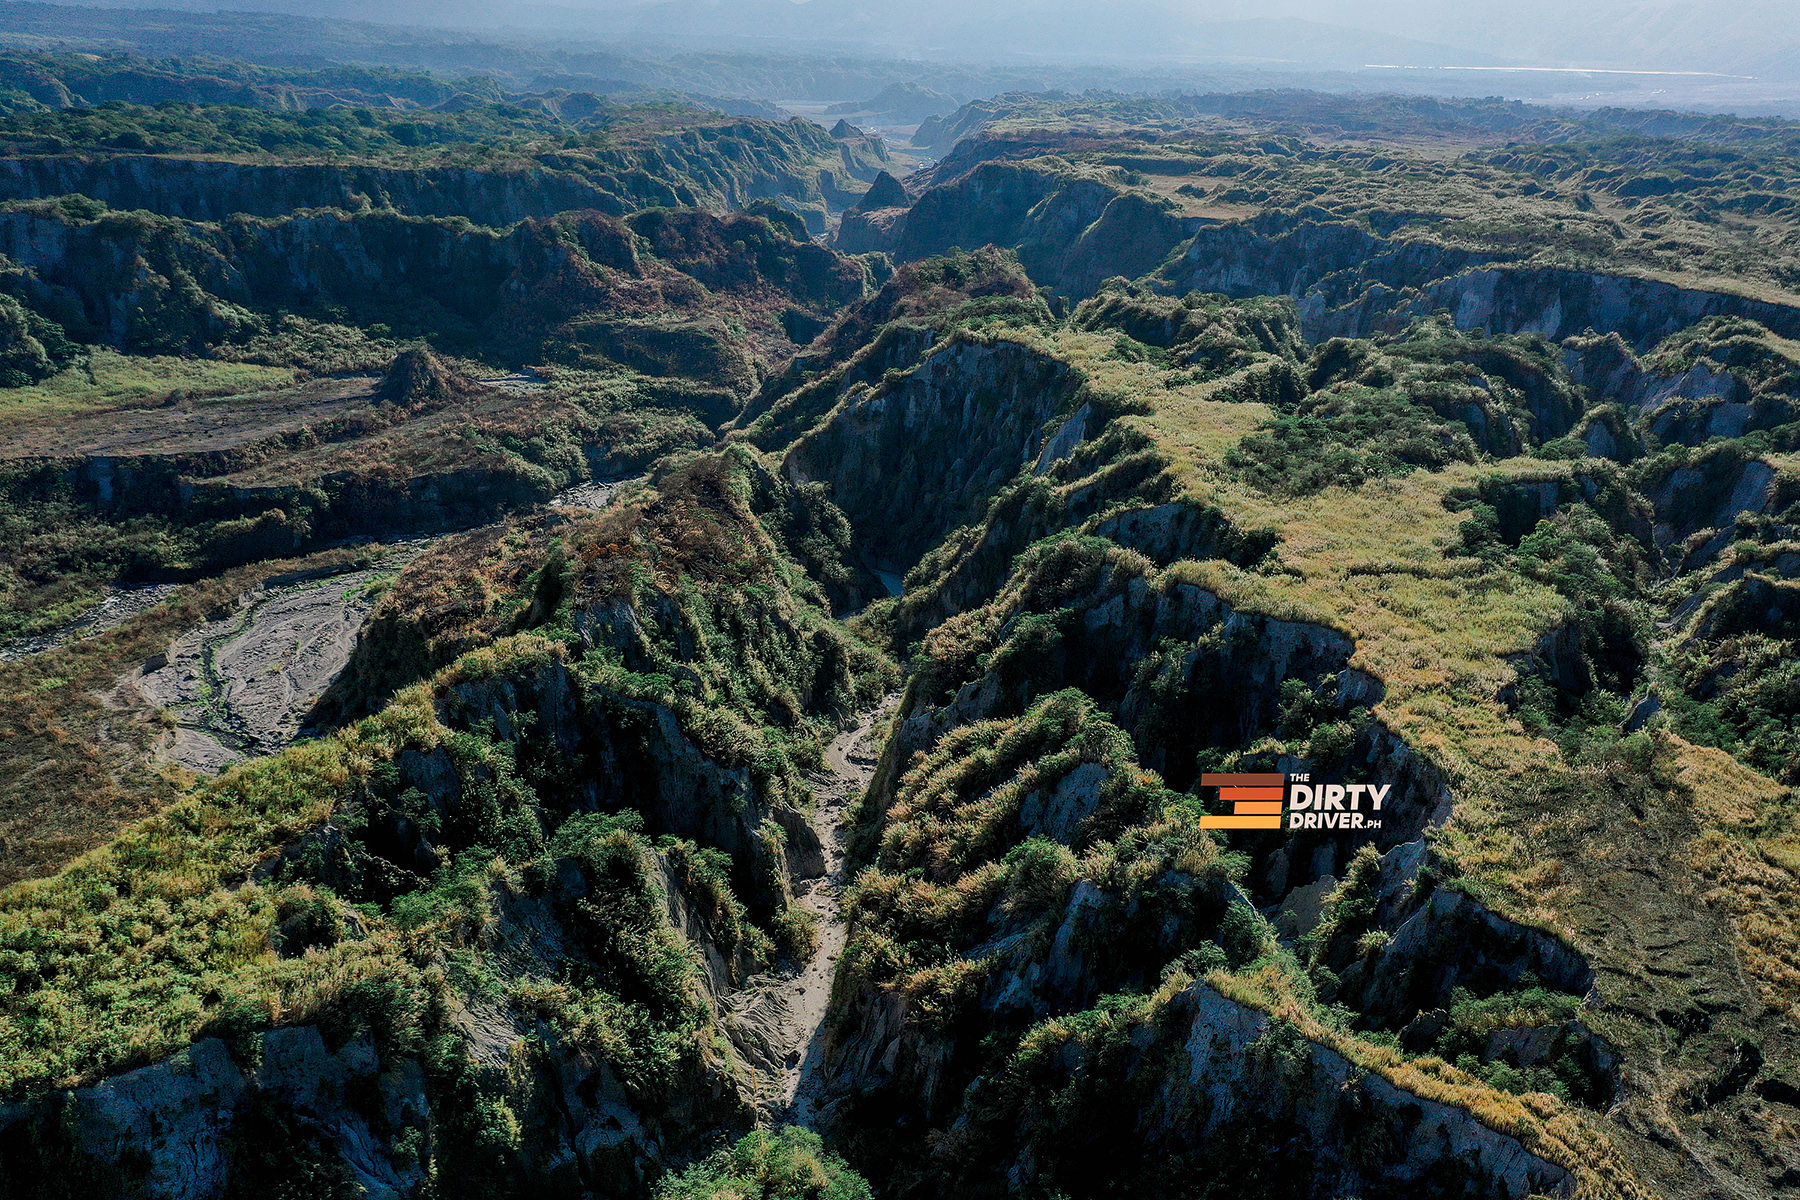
pixel 780 1019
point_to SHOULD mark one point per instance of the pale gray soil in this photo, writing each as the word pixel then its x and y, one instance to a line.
pixel 523 383
pixel 241 685
pixel 780 1019
pixel 596 495
pixel 118 606
pixel 193 426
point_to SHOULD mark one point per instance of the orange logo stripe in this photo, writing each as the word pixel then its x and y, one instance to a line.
pixel 1240 794
pixel 1255 800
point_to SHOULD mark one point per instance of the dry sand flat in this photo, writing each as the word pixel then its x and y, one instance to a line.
pixel 190 427
pixel 596 495
pixel 242 685
pixel 118 607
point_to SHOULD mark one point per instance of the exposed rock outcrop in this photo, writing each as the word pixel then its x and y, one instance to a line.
pixel 724 166
pixel 885 192
pixel 913 458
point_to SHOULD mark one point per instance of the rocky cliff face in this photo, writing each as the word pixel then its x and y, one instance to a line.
pixel 280 469
pixel 912 458
pixel 715 167
pixel 1048 955
pixel 1352 283
pixel 624 863
pixel 1072 233
pixel 155 284
pixel 1184 677
pixel 1209 1069
pixel 355 1117
pixel 1513 543
pixel 201 190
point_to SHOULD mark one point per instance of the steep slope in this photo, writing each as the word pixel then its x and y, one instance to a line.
pixel 1005 858
pixel 449 919
pixel 647 337
pixel 623 839
pixel 1512 217
pixel 493 161
pixel 1118 578
pixel 514 294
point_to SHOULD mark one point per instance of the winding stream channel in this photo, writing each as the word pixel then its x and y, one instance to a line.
pixel 778 1020
pixel 243 684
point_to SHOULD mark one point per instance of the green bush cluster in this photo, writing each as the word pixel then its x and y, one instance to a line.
pixel 789 1163
pixel 31 80
pixel 1428 398
pixel 362 922
pixel 31 348
pixel 1214 335
pixel 639 155
pixel 1471 1020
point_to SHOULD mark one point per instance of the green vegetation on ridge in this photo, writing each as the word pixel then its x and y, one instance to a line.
pixel 540 890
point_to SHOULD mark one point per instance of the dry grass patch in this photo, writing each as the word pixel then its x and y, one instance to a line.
pixel 144 942
pixel 1377 562
pixel 1194 430
pixel 1785 464
pixel 1168 187
pixel 1434 628
pixel 1381 562
pixel 77 757
pixel 108 379
pixel 1543 1124
pixel 1748 853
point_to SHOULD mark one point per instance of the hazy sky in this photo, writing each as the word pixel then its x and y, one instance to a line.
pixel 1748 37
pixel 1737 36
